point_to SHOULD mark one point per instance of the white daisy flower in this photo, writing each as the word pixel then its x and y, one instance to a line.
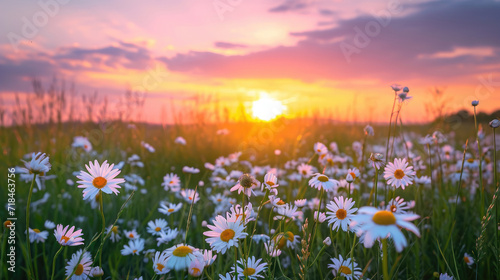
pixel 82 142
pixel 69 237
pixel 49 224
pixel 399 174
pixel 321 181
pixel 209 257
pixel 160 263
pixel 101 178
pixel 170 208
pixel 224 234
pixel 320 148
pixel 286 212
pixel 354 172
pixel 300 202
pixel 171 181
pixel 81 267
pixel 39 164
pixel 272 250
pixel 115 234
pixel 398 205
pixel 179 257
pixel 131 234
pixel 345 268
pixel 468 259
pixel 190 195
pixel 37 235
pixel 246 184
pixel 252 269
pixel 167 236
pixel 321 217
pixel 157 226
pixel 305 170
pixel 270 182
pixel 179 140
pixel 134 247
pixel 374 224
pixel 228 276
pixel 376 160
pixel 196 268
pixel 445 276
pixel 192 170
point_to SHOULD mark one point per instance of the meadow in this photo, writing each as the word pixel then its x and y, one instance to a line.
pixel 284 199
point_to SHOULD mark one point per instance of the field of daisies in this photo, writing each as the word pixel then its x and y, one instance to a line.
pixel 271 200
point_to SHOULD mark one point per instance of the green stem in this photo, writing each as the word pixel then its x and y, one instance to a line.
pixel 189 215
pixel 390 125
pixel 375 183
pixel 30 272
pixel 384 259
pixel 103 228
pixel 54 262
pixel 481 186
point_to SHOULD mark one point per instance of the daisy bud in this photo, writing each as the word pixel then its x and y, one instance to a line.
pixel 96 271
pixel 201 183
pixel 369 130
pixel 277 152
pixel 406 89
pixel 475 103
pixel 273 231
pixel 246 180
pixel 327 241
pixel 204 223
pixel 396 87
pixel 495 123
pixel 349 178
pixel 321 218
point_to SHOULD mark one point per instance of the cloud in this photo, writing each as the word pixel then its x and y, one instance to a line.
pixel 226 45
pixel 291 6
pixel 395 53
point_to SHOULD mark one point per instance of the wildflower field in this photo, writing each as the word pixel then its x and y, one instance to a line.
pixel 285 199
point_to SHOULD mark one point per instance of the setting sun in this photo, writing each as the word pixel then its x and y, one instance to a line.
pixel 267 108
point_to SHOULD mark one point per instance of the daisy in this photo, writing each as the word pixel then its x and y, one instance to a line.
pixel 49 224
pixel 423 180
pixel 305 170
pixel 445 276
pixel 251 270
pixel 170 209
pixel 261 237
pixel 245 185
pixel 192 170
pixel 398 205
pixel 228 276
pixel 272 250
pixel 270 182
pixel 167 236
pixel 132 234
pixel 374 224
pixel 399 174
pixel 179 140
pixel 321 217
pixel 171 181
pixel 224 234
pixel 134 247
pixel 209 257
pixel 287 239
pixel 81 267
pixel 286 212
pixel 190 196
pixel 39 236
pixel 300 202
pixel 320 148
pixel 376 160
pixel 369 130
pixel 179 257
pixel 39 164
pixel 345 268
pixel 96 272
pixel 160 263
pixel 468 259
pixel 101 178
pixel 321 181
pixel 341 212
pixel 157 226
pixel 276 201
pixel 115 234
pixel 196 268
pixel 69 237
pixel 82 142
pixel 354 172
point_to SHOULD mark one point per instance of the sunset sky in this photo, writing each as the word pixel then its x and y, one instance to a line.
pixel 311 55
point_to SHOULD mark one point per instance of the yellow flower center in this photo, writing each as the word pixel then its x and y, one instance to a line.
pixel 341 214
pixel 384 218
pixel 182 251
pixel 114 229
pixel 322 178
pixel 157 228
pixel 79 269
pixel 195 271
pixel 289 235
pixel 99 182
pixel 36 230
pixel 7 223
pixel 227 235
pixel 270 183
pixel 131 235
pixel 344 269
pixel 399 174
pixel 219 199
pixel 248 271
pixel 281 202
pixel 471 160
pixel 393 208
pixel 353 175
pixel 171 182
pixel 160 266
pixel 170 210
pixel 65 238
pixel 466 259
pixel 135 251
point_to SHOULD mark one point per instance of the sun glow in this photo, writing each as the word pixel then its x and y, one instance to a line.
pixel 267 108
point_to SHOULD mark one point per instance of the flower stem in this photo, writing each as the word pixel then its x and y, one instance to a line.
pixel 103 227
pixel 30 272
pixel 384 259
pixel 54 262
pixel 481 186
